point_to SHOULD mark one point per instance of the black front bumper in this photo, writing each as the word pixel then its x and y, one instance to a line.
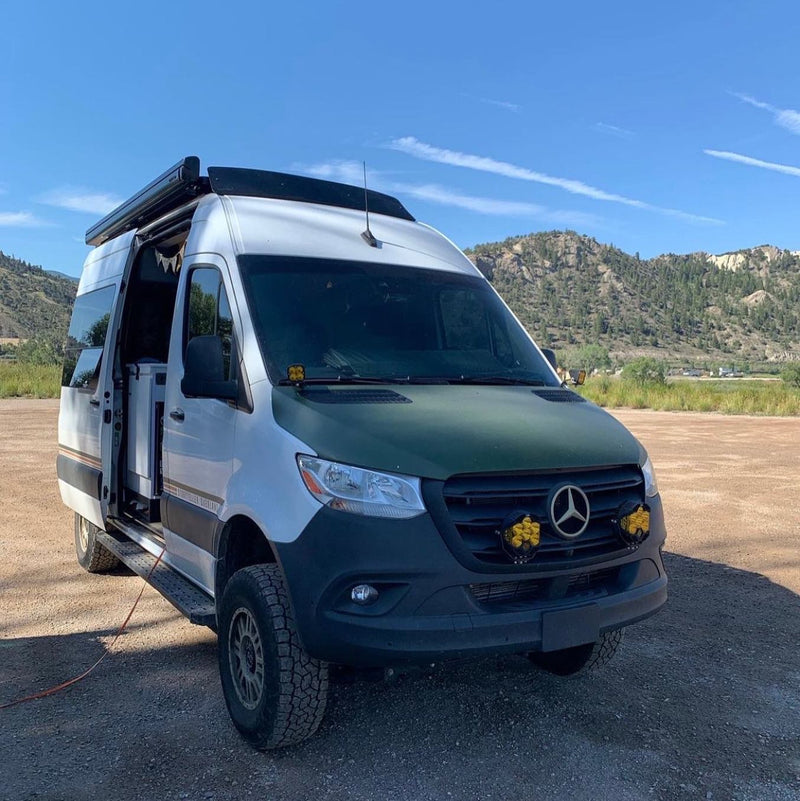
pixel 431 607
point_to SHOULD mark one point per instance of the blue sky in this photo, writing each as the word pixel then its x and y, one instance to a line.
pixel 660 127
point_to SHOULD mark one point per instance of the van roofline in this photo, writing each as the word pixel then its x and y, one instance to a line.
pixel 182 183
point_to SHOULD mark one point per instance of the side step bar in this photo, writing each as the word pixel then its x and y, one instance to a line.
pixel 180 592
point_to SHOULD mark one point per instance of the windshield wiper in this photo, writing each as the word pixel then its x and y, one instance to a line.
pixel 342 379
pixel 498 380
pixel 487 380
pixel 471 379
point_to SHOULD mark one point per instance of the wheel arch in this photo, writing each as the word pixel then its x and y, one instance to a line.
pixel 241 543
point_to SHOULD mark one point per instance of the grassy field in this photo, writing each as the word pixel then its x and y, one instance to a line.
pixel 29 380
pixel 731 396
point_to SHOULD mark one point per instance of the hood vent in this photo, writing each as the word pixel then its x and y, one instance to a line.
pixel 559 395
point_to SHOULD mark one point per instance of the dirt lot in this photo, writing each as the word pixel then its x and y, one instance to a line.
pixel 703 701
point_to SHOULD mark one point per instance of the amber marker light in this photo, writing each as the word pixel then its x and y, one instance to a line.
pixel 311 483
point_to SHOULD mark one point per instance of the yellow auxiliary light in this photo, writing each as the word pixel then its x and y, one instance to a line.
pixel 520 536
pixel 577 377
pixel 633 524
pixel 296 372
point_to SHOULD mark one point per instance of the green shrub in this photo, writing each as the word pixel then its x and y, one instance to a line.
pixel 645 371
pixel 791 374
pixel 585 357
pixel 38 351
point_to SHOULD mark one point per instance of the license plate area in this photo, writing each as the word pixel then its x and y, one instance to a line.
pixel 567 628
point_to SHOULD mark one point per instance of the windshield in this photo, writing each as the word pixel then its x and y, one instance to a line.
pixel 360 321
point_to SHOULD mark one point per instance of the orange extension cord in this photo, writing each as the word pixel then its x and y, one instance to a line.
pixel 82 676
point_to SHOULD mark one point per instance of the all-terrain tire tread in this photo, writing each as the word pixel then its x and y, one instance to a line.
pixel 102 560
pixel 303 680
pixel 604 649
pixel 578 661
pixel 97 559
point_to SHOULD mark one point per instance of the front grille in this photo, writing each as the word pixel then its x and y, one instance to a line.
pixel 584 585
pixel 478 505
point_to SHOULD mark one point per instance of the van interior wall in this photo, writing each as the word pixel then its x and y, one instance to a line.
pixel 150 306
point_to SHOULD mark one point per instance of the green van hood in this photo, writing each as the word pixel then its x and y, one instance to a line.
pixel 449 429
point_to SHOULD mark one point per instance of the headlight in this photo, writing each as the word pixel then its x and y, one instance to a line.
pixel 650 483
pixel 362 492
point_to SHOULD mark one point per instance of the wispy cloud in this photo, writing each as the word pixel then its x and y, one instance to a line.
pixel 613 130
pixel 484 205
pixel 21 219
pixel 786 118
pixel 83 200
pixel 515 107
pixel 752 101
pixel 352 172
pixel 786 169
pixel 504 104
pixel 413 147
pixel 434 193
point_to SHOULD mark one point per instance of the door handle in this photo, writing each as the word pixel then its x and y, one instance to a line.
pixel 177 414
pixel 94 401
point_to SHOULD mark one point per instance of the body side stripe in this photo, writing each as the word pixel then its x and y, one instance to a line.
pixel 80 456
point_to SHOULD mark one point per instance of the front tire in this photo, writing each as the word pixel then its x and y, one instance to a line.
pixel 275 692
pixel 92 556
pixel 581 658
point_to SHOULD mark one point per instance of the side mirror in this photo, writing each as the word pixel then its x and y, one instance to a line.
pixel 204 371
pixel 550 355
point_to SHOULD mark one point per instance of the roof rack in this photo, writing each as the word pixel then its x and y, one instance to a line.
pixel 183 182
pixel 260 183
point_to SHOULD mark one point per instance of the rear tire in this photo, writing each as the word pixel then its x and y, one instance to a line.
pixel 92 556
pixel 275 692
pixel 581 658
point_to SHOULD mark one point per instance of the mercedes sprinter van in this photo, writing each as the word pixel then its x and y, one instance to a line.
pixel 310 422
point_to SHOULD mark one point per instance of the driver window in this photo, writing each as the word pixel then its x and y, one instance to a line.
pixel 209 312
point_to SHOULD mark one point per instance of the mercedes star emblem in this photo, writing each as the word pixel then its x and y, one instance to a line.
pixel 569 511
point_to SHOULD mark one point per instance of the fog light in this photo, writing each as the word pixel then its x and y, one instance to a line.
pixel 520 536
pixel 633 524
pixel 363 594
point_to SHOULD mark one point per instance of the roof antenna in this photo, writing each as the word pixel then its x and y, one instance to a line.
pixel 367 235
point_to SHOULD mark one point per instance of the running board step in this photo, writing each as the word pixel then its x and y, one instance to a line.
pixel 180 592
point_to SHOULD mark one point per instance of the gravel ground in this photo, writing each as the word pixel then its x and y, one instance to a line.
pixel 702 702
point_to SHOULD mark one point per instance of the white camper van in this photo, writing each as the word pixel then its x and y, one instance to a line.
pixel 341 444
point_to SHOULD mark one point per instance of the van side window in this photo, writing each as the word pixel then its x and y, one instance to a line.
pixel 209 312
pixel 86 338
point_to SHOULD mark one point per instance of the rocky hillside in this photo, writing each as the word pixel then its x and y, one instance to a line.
pixel 572 290
pixel 33 302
